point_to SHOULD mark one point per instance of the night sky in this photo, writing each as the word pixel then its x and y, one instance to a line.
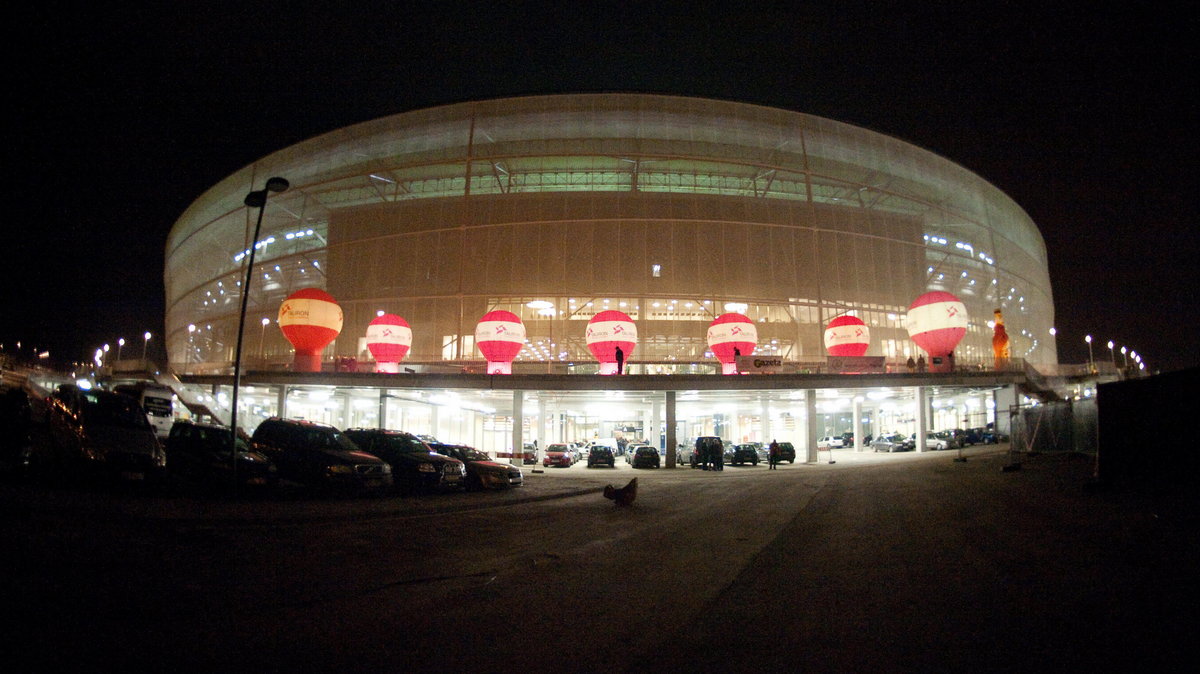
pixel 1081 112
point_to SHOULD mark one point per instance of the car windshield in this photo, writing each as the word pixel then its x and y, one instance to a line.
pixel 557 448
pixel 113 410
pixel 472 454
pixel 404 443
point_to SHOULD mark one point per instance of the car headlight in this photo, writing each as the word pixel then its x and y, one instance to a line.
pixel 426 468
pixel 386 469
pixel 340 469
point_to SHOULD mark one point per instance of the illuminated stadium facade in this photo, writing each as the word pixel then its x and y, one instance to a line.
pixel 672 210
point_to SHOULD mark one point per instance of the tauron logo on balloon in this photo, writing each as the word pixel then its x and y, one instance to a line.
pixel 500 330
pixel 951 311
pixel 735 331
pixel 618 330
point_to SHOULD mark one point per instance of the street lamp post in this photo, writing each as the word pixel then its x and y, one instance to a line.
pixel 1124 357
pixel 255 199
pixel 262 353
pixel 145 343
pixel 1112 354
pixel 120 345
pixel 1091 360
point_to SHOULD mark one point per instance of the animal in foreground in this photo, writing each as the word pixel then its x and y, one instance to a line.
pixel 623 496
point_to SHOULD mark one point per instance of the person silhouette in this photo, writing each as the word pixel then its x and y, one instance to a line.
pixel 620 361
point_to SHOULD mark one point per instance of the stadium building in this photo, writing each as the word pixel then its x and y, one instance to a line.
pixel 671 210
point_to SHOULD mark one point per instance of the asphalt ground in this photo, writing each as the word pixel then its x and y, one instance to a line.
pixel 908 562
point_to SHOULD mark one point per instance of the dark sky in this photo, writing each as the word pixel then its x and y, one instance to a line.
pixel 1082 112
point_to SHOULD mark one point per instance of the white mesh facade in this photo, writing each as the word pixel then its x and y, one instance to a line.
pixel 673 210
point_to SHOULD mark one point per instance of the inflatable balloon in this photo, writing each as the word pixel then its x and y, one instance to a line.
pixel 729 336
pixel 937 322
pixel 388 340
pixel 607 333
pixel 500 336
pixel 847 336
pixel 310 319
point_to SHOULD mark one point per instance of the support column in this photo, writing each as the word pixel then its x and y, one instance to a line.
pixel 672 459
pixel 433 420
pixel 764 420
pixel 810 426
pixel 1004 399
pixel 922 405
pixel 383 408
pixel 654 433
pixel 858 434
pixel 281 401
pixel 518 439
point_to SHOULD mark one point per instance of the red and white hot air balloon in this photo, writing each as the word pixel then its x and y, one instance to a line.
pixel 388 339
pixel 310 319
pixel 500 336
pixel 729 336
pixel 937 322
pixel 847 336
pixel 608 331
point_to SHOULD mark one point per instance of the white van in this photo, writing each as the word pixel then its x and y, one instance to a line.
pixel 157 400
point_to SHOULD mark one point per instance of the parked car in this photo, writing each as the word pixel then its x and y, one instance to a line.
pixel 973 436
pixel 198 456
pixel 98 432
pixel 529 455
pixel 936 440
pixel 645 456
pixel 599 455
pixel 482 472
pixel 743 454
pixel 893 442
pixel 704 443
pixel 631 451
pixel 415 466
pixel 559 454
pixel 319 456
pixel 787 452
pixel 830 442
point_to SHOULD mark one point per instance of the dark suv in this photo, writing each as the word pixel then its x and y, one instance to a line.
pixel 787 452
pixel 414 465
pixel 198 455
pixel 319 456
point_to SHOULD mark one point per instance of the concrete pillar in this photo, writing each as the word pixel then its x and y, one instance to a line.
pixel 383 408
pixel 656 428
pixel 518 417
pixel 433 421
pixel 1004 399
pixel 669 403
pixel 281 401
pixel 810 426
pixel 922 405
pixel 858 433
pixel 764 417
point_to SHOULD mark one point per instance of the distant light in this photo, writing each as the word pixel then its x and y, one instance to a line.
pixel 1088 339
pixel 1054 331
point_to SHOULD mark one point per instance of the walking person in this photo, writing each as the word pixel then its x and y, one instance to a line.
pixel 773 456
pixel 620 361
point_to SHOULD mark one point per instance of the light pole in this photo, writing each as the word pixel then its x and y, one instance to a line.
pixel 262 336
pixel 1112 354
pixel 120 345
pixel 145 342
pixel 1091 360
pixel 1124 357
pixel 255 199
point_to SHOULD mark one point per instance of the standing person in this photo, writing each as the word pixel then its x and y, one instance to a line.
pixel 911 364
pixel 718 456
pixel 773 456
pixel 620 361
pixel 921 363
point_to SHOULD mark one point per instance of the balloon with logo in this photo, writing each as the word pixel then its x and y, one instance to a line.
pixel 937 322
pixel 729 336
pixel 310 319
pixel 847 336
pixel 500 336
pixel 608 331
pixel 388 339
